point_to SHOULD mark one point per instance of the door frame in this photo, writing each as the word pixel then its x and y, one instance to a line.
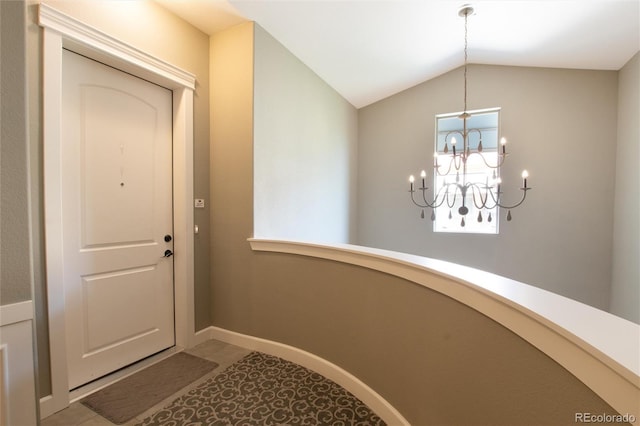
pixel 62 31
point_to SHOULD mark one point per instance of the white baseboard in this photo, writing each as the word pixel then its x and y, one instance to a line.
pixel 202 335
pixel 47 406
pixel 329 370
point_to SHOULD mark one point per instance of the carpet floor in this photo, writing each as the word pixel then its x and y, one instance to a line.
pixel 265 390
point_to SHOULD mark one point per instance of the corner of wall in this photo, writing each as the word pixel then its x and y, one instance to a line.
pixel 231 172
pixel 625 282
pixel 304 149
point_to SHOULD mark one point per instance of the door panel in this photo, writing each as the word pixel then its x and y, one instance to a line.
pixel 117 207
pixel 126 289
pixel 116 200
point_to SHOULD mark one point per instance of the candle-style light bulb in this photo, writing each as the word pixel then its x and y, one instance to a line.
pixel 503 142
pixel 411 179
pixel 423 175
pixel 435 160
pixel 525 175
pixel 453 144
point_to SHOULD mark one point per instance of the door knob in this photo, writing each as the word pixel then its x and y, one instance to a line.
pixel 168 253
pixel 167 238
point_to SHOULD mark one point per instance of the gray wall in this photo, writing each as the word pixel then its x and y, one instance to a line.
pixel 15 265
pixel 561 127
pixel 625 294
pixel 152 29
pixel 305 139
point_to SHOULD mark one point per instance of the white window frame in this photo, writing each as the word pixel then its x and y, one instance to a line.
pixel 442 223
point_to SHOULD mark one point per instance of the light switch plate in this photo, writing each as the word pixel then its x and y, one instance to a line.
pixel 199 203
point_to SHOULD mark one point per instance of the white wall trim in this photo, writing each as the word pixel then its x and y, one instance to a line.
pixel 4 385
pixel 16 312
pixel 183 221
pixel 372 399
pixel 80 36
pixel 600 349
pixel 61 31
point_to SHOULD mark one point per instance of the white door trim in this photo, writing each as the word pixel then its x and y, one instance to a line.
pixel 62 31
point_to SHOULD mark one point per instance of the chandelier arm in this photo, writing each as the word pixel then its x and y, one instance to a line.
pixel 416 203
pixel 495 198
pixel 524 195
pixel 459 163
pixel 437 169
pixel 476 188
pixel 497 166
pixel 473 129
pixel 464 143
pixel 424 198
pixel 455 195
pixel 451 132
pixel 435 204
pixel 437 196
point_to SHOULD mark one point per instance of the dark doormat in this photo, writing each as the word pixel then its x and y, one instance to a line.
pixel 123 400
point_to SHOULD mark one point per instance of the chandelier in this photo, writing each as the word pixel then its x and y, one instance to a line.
pixel 462 191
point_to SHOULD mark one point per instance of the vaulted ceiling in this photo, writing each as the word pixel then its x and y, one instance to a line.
pixel 370 49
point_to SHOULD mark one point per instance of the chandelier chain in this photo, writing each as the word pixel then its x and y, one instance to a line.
pixel 466 15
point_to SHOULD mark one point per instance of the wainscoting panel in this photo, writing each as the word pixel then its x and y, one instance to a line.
pixel 17 374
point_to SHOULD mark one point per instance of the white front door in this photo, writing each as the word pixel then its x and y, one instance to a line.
pixel 116 151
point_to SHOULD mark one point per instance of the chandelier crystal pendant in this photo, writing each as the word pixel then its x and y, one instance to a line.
pixel 486 195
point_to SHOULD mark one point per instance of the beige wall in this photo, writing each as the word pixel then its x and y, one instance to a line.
pixel 152 29
pixel 15 267
pixel 231 176
pixel 435 360
pixel 625 294
pixel 561 127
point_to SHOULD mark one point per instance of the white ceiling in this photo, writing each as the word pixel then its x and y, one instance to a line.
pixel 370 49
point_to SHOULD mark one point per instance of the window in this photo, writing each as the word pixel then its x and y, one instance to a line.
pixel 466 168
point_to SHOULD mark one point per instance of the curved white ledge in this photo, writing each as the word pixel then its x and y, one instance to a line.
pixel 600 349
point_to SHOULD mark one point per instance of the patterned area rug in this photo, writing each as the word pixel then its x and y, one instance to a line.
pixel 265 390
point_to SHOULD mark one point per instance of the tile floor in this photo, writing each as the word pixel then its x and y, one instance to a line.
pixel 79 415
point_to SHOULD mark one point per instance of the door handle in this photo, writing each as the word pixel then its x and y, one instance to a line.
pixel 168 253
